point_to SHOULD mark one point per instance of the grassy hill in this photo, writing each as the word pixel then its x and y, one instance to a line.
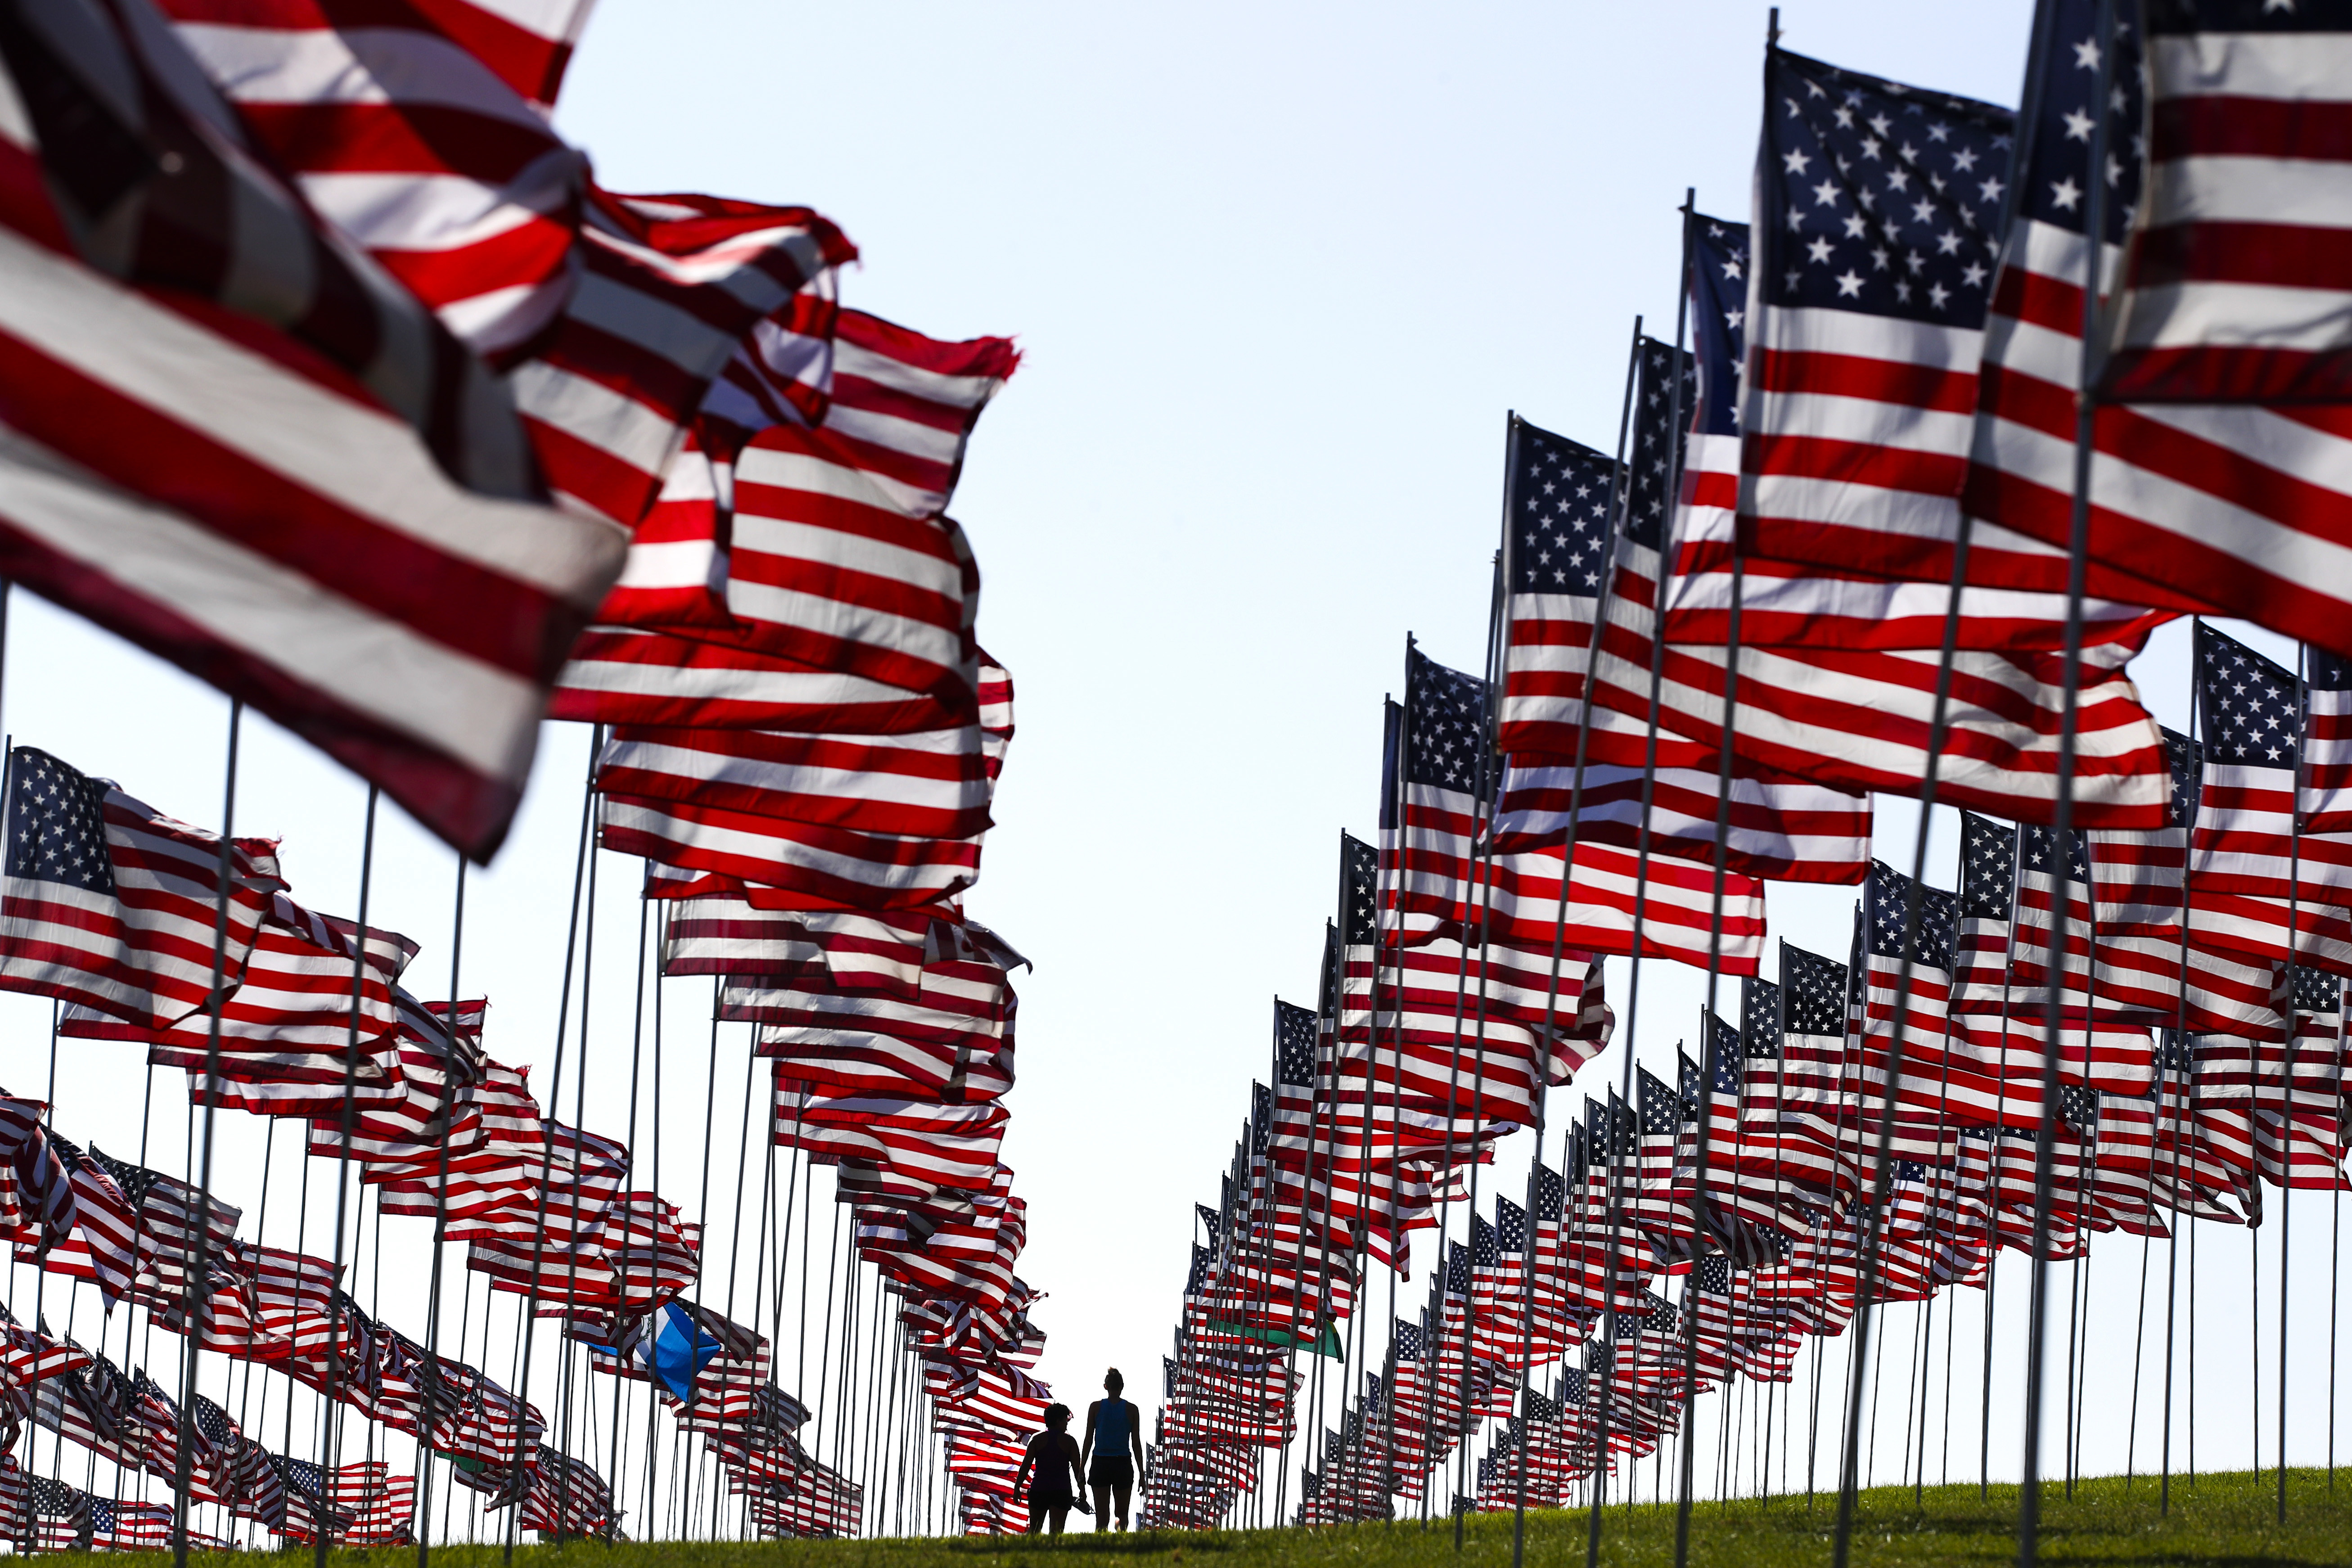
pixel 2219 1518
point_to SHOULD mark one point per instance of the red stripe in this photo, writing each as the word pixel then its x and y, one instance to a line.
pixel 2217 373
pixel 404 137
pixel 2276 255
pixel 463 606
pixel 2220 125
pixel 1856 463
pixel 1872 380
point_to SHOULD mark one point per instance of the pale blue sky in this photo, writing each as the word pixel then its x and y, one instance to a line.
pixel 1280 273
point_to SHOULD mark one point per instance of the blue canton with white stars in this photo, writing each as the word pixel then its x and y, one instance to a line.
pixel 1659 439
pixel 1987 867
pixel 1725 1052
pixel 1557 501
pixel 1360 878
pixel 1814 993
pixel 2038 853
pixel 1878 197
pixel 2058 173
pixel 1510 1226
pixel 1294 1046
pixel 1445 722
pixel 2186 758
pixel 2252 708
pixel 1759 1019
pixel 1886 896
pixel 57 821
pixel 1720 319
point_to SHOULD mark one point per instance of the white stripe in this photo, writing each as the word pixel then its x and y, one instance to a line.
pixel 682 563
pixel 362 459
pixel 960 392
pixel 2297 66
pixel 777 850
pixel 717 683
pixel 482 716
pixel 2223 315
pixel 2214 188
pixel 797 470
pixel 1863 422
pixel 646 321
pixel 912 639
pixel 612 422
pixel 897 433
pixel 757 533
pixel 806 779
pixel 357 65
pixel 2214 522
pixel 435 211
pixel 1814 330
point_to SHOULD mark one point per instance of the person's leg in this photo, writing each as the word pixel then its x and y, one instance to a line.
pixel 1036 1518
pixel 1102 1507
pixel 1061 1518
pixel 1125 1489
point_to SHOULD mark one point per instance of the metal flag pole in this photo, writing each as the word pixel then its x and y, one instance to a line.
pixel 448 1113
pixel 2286 1107
pixel 653 1262
pixel 581 859
pixel 1490 773
pixel 199 1241
pixel 1633 976
pixel 2029 1519
pixel 1710 1068
pixel 1559 918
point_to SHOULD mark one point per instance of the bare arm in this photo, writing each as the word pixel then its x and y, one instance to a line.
pixel 1093 1411
pixel 1077 1474
pixel 1028 1457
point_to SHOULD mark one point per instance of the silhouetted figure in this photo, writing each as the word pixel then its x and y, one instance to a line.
pixel 1052 1457
pixel 1115 1438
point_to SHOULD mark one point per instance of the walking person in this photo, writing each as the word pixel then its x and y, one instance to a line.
pixel 1052 1457
pixel 1114 1439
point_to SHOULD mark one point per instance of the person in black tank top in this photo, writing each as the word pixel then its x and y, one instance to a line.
pixel 1053 1455
pixel 1115 1438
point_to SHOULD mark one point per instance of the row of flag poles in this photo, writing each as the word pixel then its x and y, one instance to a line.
pixel 331 374
pixel 1890 515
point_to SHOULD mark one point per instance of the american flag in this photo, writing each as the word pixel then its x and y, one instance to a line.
pixel 2053 882
pixel 621 675
pixel 411 618
pixel 1556 541
pixel 2327 742
pixel 109 903
pixel 481 230
pixel 1432 815
pixel 1865 315
pixel 39 1176
pixel 106 1223
pixel 842 557
pixel 1982 933
pixel 2247 861
pixel 929 785
pixel 1816 1078
pixel 1778 829
pixel 953 1145
pixel 1816 603
pixel 2197 488
pixel 2226 293
pixel 834 868
pixel 1858 717
pixel 953 1037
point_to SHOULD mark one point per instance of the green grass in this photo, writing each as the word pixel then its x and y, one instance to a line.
pixel 2226 1519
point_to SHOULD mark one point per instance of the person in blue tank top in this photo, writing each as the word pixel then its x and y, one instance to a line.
pixel 1114 1439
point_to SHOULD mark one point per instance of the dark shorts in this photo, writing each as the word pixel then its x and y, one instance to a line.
pixel 1108 1470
